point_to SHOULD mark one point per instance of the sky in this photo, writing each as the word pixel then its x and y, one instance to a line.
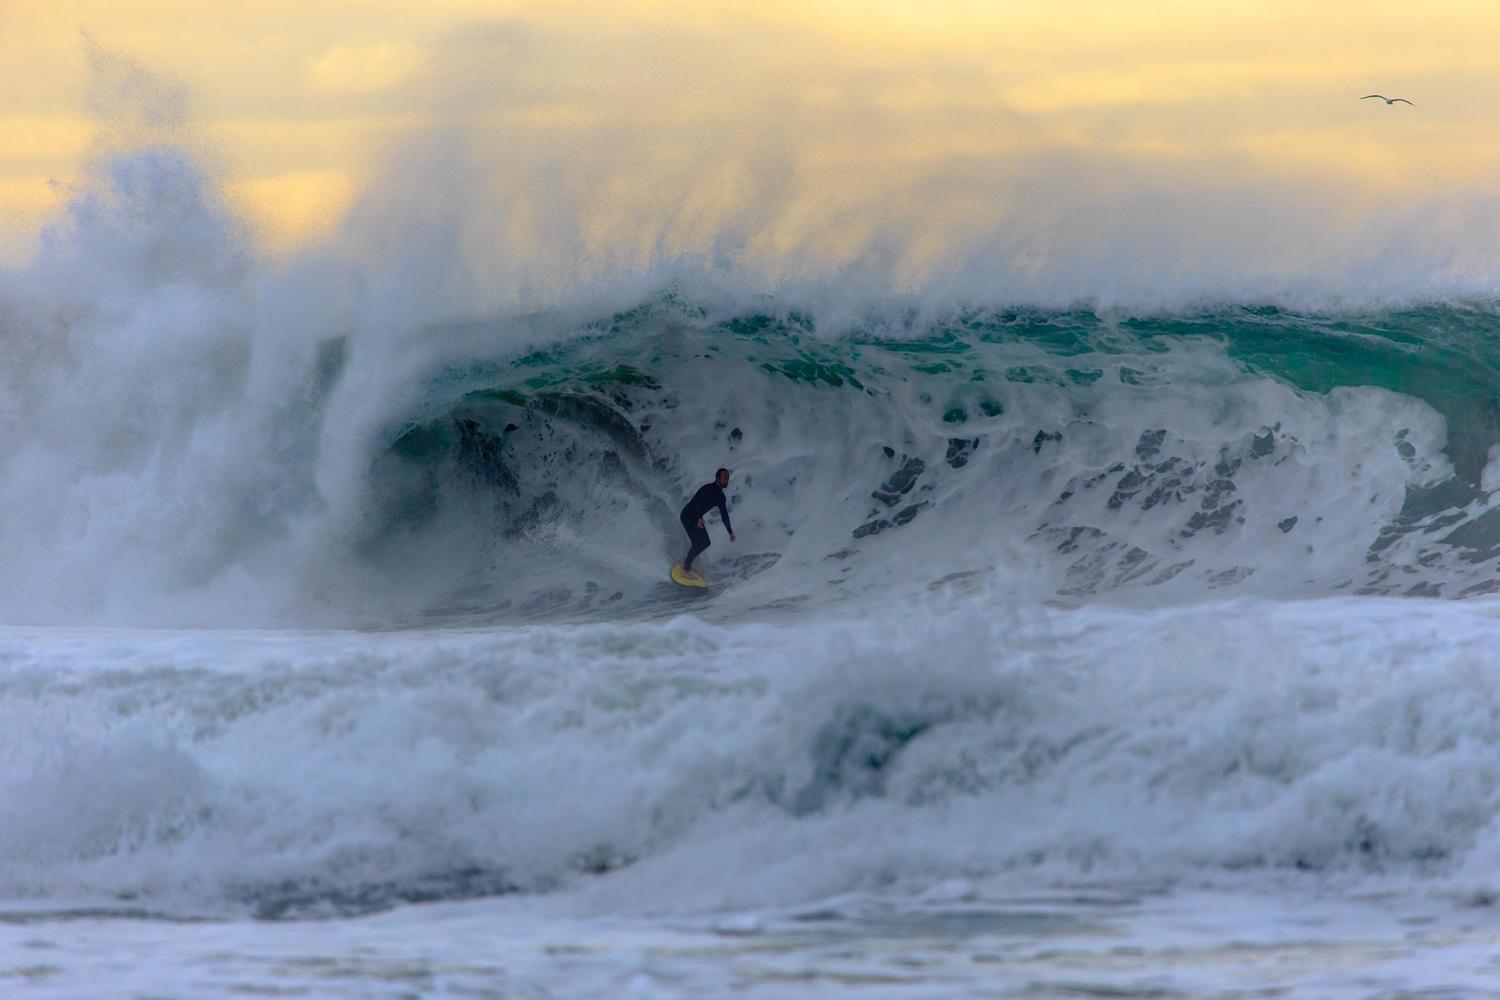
pixel 298 109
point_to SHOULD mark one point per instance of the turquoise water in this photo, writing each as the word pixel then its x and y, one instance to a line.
pixel 1252 449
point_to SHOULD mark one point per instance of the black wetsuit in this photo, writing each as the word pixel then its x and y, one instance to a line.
pixel 706 499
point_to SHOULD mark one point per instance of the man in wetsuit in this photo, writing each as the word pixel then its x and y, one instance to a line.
pixel 709 496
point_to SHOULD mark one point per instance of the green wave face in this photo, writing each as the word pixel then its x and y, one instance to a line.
pixel 1158 458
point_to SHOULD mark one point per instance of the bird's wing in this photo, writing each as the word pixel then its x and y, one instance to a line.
pixel 1368 96
pixel 1401 100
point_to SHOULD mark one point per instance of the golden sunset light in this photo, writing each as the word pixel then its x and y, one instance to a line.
pixel 294 105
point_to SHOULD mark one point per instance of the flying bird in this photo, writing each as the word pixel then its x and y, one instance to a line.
pixel 1388 100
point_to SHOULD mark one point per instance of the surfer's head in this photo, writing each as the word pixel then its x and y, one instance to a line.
pixel 721 478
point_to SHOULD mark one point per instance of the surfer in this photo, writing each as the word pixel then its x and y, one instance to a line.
pixel 709 496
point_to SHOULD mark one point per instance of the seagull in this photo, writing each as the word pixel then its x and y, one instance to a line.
pixel 1388 100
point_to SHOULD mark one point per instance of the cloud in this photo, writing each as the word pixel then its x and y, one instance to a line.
pixel 53 141
pixel 365 67
pixel 291 208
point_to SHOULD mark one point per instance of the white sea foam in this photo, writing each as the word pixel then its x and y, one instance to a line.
pixel 961 940
pixel 211 771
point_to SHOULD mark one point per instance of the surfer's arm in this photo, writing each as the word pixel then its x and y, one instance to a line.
pixel 724 516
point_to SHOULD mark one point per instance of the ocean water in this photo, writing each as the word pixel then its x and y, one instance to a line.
pixel 1067 649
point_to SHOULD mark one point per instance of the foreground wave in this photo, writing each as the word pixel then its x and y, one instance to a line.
pixel 303 774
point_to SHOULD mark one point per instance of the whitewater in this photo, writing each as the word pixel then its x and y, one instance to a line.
pixel 1100 623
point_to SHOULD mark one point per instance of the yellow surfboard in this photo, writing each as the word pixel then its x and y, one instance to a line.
pixel 687 579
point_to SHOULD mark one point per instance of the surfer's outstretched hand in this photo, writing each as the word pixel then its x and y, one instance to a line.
pixel 731 536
